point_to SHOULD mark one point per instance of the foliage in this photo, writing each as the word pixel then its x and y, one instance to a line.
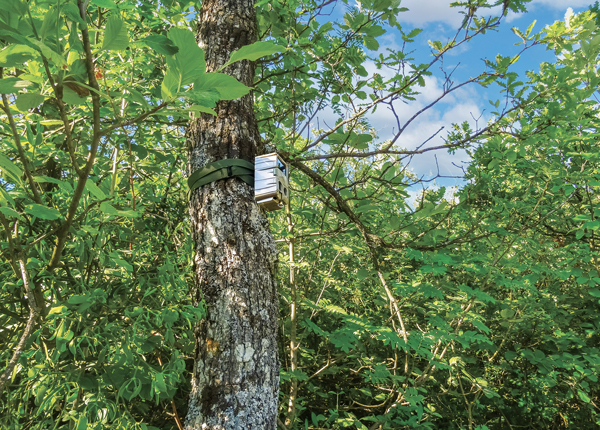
pixel 475 311
pixel 478 310
pixel 95 239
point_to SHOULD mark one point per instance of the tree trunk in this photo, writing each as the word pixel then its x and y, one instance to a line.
pixel 236 373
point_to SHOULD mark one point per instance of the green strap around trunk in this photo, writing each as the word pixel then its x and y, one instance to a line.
pixel 222 169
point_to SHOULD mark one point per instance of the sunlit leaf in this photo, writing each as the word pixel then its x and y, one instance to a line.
pixel 42 212
pixel 115 35
pixel 10 213
pixel 189 61
pixel 12 85
pixel 228 87
pixel 107 4
pixel 161 44
pixel 201 109
pixel 72 12
pixel 16 55
pixel 254 51
pixel 26 101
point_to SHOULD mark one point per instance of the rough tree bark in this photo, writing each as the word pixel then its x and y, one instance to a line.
pixel 236 373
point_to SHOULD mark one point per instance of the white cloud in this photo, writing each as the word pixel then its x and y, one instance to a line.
pixel 457 107
pixel 511 16
pixel 426 11
pixel 421 12
pixel 561 4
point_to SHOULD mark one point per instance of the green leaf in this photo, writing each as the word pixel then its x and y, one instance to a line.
pixel 50 122
pixel 107 4
pixel 170 85
pixel 481 326
pixel 138 97
pixel 54 57
pixel 583 396
pixel 15 6
pixel 207 97
pixel 42 212
pixel 362 274
pixel 511 156
pixel 82 423
pixel 159 383
pixel 72 98
pixel 12 85
pixel 228 87
pixel 10 168
pixel 5 198
pixel 594 292
pixel 10 213
pixel 161 44
pixel 62 184
pixel 493 164
pixel 189 62
pixel 16 55
pixel 72 13
pixel 201 109
pixel 120 262
pixel 115 35
pixel 9 34
pixel 371 43
pixel 94 190
pixel 109 209
pixel 254 51
pixel 58 310
pixel 49 26
pixel 26 101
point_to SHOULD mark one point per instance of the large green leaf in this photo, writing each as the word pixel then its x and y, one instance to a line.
pixel 254 52
pixel 15 6
pixel 52 56
pixel 10 168
pixel 115 35
pixel 82 423
pixel 170 85
pixel 62 184
pixel 72 13
pixel 107 4
pixel 205 97
pixel 95 190
pixel 28 101
pixel 42 212
pixel 161 44
pixel 72 98
pixel 16 55
pixel 11 213
pixel 189 62
pixel 138 97
pixel 228 87
pixel 12 85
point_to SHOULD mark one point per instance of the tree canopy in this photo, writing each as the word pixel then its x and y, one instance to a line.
pixel 474 308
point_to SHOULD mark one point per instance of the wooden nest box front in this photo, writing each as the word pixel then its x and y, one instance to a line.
pixel 271 182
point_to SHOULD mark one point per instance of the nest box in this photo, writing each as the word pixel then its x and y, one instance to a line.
pixel 271 182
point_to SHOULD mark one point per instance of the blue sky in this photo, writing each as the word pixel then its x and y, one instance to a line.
pixel 439 22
